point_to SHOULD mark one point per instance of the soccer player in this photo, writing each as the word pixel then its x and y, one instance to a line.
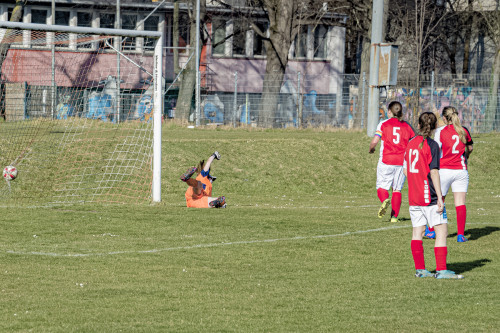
pixel 456 146
pixel 394 134
pixel 198 194
pixel 421 167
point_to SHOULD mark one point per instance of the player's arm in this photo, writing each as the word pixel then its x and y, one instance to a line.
pixel 373 144
pixel 436 181
pixel 468 150
pixel 469 145
pixel 437 186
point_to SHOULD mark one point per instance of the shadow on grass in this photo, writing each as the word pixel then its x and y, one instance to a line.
pixel 461 267
pixel 476 233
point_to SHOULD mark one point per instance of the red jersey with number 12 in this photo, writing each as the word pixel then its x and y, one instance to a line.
pixel 395 135
pixel 418 163
pixel 452 149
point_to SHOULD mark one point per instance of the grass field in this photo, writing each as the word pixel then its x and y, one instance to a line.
pixel 299 248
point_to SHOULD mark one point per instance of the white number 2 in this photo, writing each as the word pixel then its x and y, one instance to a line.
pixel 412 163
pixel 457 141
pixel 396 134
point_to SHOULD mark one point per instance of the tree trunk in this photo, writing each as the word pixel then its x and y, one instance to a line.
pixel 175 38
pixel 271 90
pixel 17 14
pixel 361 114
pixel 188 77
pixel 281 34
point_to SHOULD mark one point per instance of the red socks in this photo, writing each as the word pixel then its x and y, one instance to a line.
pixel 461 217
pixel 417 250
pixel 395 203
pixel 440 253
pixel 382 194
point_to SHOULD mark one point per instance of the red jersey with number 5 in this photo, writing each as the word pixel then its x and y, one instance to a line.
pixel 418 163
pixel 452 148
pixel 394 135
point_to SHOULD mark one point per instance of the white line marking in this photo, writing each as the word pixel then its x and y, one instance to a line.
pixel 208 245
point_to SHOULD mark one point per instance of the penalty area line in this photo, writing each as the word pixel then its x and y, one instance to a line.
pixel 210 245
pixel 207 245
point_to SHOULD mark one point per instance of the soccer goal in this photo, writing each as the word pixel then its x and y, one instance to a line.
pixel 80 114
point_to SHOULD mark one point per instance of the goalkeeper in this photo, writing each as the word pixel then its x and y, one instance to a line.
pixel 198 194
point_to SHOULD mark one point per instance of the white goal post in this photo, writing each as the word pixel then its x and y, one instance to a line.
pixel 86 106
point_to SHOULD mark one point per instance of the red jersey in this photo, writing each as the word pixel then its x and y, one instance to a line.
pixel 418 164
pixel 452 149
pixel 395 135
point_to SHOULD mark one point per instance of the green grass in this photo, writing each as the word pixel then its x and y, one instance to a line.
pixel 299 248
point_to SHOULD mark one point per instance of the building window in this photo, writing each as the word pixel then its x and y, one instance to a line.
pixel 129 22
pixel 106 21
pixel 61 39
pixel 320 41
pixel 259 47
pixel 39 38
pixel 301 42
pixel 84 19
pixel 239 37
pixel 218 36
pixel 151 24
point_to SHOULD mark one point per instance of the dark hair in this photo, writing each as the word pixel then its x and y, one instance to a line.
pixel 427 123
pixel 451 115
pixel 396 109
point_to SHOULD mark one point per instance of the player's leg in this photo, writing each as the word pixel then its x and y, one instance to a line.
pixel 397 186
pixel 219 202
pixel 187 175
pixel 417 249
pixel 206 168
pixel 440 224
pixel 384 182
pixel 459 188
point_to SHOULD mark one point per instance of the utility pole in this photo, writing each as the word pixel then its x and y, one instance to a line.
pixel 373 89
pixel 197 87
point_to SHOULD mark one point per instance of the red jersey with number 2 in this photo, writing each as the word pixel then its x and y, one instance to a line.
pixel 418 163
pixel 452 148
pixel 394 135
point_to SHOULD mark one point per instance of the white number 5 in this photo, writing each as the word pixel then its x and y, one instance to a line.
pixel 396 134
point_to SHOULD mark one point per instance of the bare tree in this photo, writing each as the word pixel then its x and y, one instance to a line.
pixel 491 18
pixel 188 77
pixel 17 14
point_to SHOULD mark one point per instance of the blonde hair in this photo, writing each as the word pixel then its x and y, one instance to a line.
pixel 396 109
pixel 427 123
pixel 450 113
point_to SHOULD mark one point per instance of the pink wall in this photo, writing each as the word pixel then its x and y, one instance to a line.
pixel 79 69
pixel 314 75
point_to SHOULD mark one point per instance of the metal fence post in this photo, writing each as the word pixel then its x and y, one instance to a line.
pixel 363 101
pixel 432 90
pixel 235 101
pixel 299 101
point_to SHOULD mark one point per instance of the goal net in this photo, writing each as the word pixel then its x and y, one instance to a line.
pixel 80 114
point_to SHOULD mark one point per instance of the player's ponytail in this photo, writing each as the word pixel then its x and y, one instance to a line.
pixel 201 165
pixel 426 123
pixel 396 109
pixel 451 115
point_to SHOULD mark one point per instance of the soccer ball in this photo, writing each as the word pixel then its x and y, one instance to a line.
pixel 10 172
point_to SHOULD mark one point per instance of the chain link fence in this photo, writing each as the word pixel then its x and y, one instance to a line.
pixel 320 100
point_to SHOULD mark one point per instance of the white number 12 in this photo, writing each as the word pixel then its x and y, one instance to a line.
pixel 412 163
